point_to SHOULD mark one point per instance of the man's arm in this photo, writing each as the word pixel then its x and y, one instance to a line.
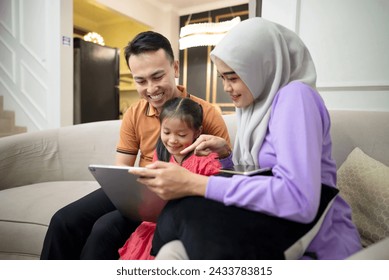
pixel 125 159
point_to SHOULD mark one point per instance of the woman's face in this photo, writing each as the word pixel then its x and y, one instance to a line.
pixel 176 135
pixel 233 85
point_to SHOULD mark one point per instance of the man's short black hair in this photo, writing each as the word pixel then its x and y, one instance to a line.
pixel 148 41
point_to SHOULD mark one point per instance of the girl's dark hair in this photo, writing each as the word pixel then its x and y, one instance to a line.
pixel 186 110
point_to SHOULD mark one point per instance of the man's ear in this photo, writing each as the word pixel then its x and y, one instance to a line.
pixel 176 66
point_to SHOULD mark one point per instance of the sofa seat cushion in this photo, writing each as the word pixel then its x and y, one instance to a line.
pixel 25 213
pixel 364 183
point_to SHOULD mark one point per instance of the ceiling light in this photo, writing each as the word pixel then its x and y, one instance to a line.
pixel 205 34
pixel 94 38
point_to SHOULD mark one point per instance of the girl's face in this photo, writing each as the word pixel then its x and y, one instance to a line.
pixel 240 94
pixel 176 135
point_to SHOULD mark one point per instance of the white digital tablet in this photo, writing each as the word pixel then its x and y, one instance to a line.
pixel 247 170
pixel 133 199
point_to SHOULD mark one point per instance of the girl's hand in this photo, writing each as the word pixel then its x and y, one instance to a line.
pixel 171 181
pixel 206 144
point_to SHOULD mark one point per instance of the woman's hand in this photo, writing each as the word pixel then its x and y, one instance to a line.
pixel 206 144
pixel 171 181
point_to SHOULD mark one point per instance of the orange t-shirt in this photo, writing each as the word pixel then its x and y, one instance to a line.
pixel 140 127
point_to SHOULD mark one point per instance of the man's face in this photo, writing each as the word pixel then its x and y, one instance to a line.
pixel 154 77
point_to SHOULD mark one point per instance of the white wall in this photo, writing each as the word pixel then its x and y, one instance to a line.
pixel 66 64
pixel 349 43
pixel 32 80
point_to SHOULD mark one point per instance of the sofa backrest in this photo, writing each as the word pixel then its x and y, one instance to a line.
pixel 230 121
pixel 65 153
pixel 364 129
pixel 367 130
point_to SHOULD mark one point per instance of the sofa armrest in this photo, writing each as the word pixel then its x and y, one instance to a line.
pixel 29 158
pixel 376 251
pixel 57 154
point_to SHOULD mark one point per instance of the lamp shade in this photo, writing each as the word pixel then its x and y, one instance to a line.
pixel 205 34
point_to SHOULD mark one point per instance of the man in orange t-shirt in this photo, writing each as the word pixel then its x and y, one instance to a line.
pixel 91 227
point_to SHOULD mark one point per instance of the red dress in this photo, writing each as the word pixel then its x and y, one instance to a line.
pixel 138 246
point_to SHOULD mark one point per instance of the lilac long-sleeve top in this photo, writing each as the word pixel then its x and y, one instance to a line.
pixel 297 147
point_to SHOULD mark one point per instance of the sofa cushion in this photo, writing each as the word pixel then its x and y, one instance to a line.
pixel 25 213
pixel 364 183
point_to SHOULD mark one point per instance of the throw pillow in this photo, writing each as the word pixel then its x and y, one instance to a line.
pixel 364 183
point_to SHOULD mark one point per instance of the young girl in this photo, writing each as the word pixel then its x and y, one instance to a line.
pixel 181 123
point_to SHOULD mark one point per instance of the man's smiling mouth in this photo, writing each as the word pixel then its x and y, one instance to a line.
pixel 156 97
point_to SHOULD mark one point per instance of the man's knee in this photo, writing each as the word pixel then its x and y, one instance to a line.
pixel 60 220
pixel 174 250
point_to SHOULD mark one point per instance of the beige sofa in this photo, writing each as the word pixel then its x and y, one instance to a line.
pixel 42 171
